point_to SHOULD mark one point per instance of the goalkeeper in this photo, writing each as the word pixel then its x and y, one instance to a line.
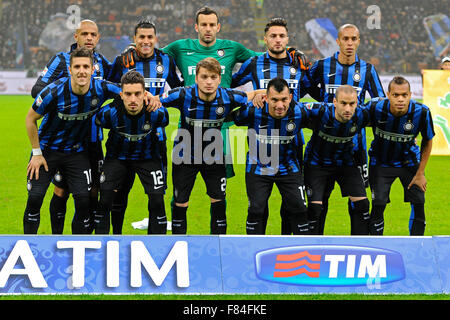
pixel 188 52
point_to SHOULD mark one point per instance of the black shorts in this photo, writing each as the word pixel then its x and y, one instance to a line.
pixel 184 175
pixel 381 179
pixel 317 179
pixel 95 153
pixel 291 187
pixel 75 167
pixel 116 172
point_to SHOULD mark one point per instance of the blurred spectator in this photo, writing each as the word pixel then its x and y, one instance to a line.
pixel 400 45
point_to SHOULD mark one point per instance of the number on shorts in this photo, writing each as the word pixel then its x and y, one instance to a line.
pixel 302 193
pixel 88 175
pixel 223 186
pixel 364 171
pixel 157 177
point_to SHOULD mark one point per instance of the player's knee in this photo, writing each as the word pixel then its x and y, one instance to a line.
pixel 60 192
pixel 183 204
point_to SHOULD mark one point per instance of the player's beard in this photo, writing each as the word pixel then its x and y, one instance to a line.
pixel 277 52
pixel 209 40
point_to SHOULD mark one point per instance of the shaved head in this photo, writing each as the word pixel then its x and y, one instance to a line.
pixel 86 22
pixel 345 26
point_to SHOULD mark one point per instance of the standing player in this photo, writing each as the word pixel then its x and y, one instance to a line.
pixel 275 62
pixel 158 69
pixel 274 128
pixel 188 52
pixel 86 35
pixel 396 123
pixel 67 106
pixel 329 156
pixel 346 68
pixel 203 109
pixel 132 145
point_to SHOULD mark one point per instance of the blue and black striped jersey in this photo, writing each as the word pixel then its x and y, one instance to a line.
pixel 131 137
pixel 58 67
pixel 329 74
pixel 272 139
pixel 201 122
pixel 157 70
pixel 394 143
pixel 261 69
pixel 67 116
pixel 331 143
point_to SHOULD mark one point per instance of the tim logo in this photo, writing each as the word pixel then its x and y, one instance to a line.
pixel 329 265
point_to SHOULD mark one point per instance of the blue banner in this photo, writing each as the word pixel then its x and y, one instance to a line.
pixel 223 265
pixel 438 30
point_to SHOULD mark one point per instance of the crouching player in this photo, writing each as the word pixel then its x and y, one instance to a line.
pixel 275 128
pixel 132 145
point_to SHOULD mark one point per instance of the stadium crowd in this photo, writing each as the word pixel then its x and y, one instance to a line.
pixel 400 45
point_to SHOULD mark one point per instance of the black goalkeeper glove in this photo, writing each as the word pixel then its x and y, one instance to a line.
pixel 299 59
pixel 129 56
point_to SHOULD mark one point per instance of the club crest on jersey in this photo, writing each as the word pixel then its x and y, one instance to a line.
pixel 94 102
pixel 353 128
pixel 356 77
pixel 160 68
pixel 220 52
pixel 146 127
pixel 96 67
pixel 220 110
pixel 29 185
pixel 290 126
pixel 292 70
pixel 102 177
pixel 408 126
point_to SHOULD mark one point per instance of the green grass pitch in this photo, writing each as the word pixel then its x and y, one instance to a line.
pixel 14 156
pixel 13 194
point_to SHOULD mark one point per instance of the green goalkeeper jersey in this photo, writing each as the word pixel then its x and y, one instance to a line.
pixel 188 52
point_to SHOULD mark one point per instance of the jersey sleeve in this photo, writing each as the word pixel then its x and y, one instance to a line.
pixel 160 117
pixel 239 98
pixel 243 75
pixel 427 130
pixel 173 97
pixel 173 79
pixel 375 88
pixel 240 116
pixel 55 69
pixel 116 70
pixel 111 90
pixel 103 117
pixel 243 54
pixel 44 102
pixel 171 49
pixel 312 112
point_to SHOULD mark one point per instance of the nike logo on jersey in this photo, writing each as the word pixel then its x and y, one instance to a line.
pixel 190 53
pixel 262 127
pixel 264 70
pixel 331 74
pixel 192 109
pixel 157 187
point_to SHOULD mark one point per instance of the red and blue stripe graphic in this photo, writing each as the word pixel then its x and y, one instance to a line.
pixel 290 265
